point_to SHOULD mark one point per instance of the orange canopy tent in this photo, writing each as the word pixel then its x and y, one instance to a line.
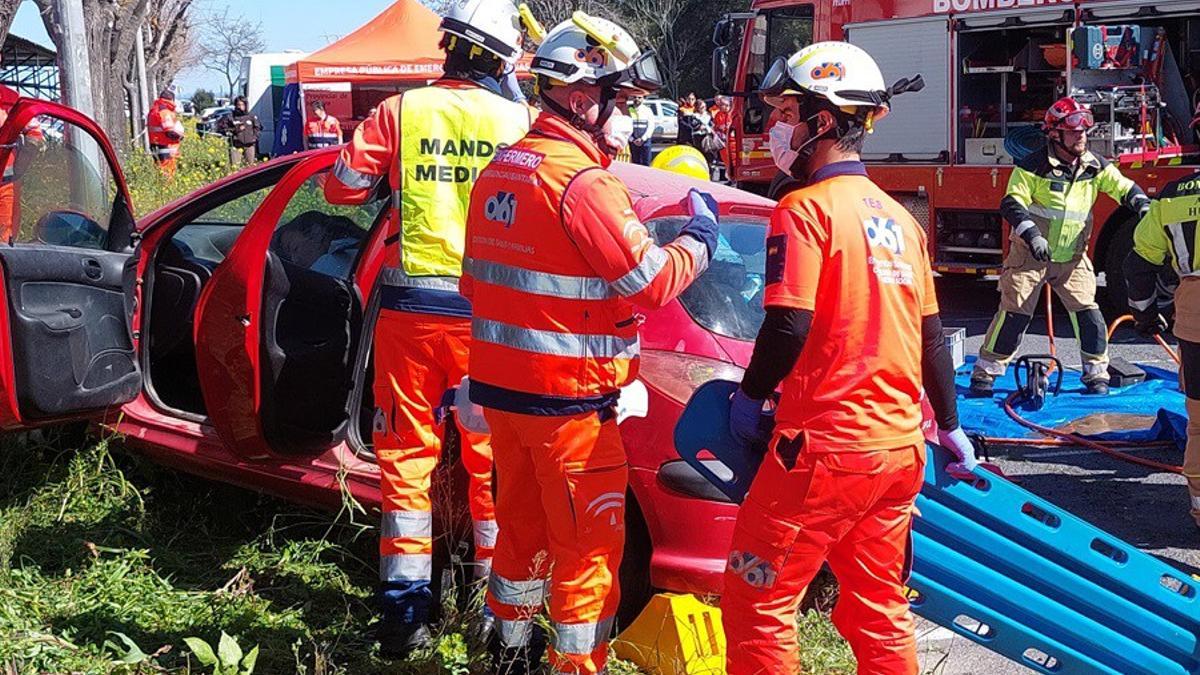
pixel 399 45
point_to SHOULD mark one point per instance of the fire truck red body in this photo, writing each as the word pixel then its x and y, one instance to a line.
pixel 991 68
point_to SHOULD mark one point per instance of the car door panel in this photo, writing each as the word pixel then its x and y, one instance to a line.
pixel 66 347
pixel 276 340
pixel 72 350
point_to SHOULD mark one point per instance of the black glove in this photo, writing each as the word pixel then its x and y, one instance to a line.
pixel 1038 245
pixel 1149 323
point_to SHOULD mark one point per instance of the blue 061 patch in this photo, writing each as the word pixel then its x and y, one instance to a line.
pixel 776 258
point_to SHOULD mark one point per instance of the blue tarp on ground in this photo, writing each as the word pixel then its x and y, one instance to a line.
pixel 1158 396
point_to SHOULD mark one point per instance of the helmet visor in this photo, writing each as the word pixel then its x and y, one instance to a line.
pixel 642 74
pixel 1078 120
pixel 777 79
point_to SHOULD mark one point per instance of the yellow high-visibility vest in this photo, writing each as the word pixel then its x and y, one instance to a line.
pixel 447 137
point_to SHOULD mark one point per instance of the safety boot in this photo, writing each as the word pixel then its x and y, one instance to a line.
pixel 981 385
pixel 1096 388
pixel 398 639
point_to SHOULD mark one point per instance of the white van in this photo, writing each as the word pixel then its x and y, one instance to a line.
pixel 263 81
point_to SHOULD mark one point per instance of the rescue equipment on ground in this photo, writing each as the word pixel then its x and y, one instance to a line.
pixel 1035 384
pixel 1007 569
pixel 676 634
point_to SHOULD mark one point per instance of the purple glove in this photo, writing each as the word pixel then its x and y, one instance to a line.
pixel 745 419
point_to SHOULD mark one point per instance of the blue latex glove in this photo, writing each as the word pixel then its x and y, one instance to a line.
pixel 702 207
pixel 745 419
pixel 510 88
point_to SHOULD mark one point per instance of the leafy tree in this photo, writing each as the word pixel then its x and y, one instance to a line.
pixel 202 99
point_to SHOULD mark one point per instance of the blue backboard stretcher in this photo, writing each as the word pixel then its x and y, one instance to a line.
pixel 1006 568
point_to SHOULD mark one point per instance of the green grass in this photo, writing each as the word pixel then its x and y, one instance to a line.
pixel 98 545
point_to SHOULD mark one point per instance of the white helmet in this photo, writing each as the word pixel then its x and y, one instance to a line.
pixel 494 25
pixel 592 50
pixel 839 72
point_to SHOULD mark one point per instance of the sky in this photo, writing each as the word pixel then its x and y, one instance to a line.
pixel 306 25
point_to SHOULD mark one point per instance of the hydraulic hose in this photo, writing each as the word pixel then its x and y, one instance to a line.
pixel 1076 439
pixel 1112 328
pixel 1063 438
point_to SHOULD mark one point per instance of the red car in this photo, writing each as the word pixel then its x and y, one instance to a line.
pixel 227 335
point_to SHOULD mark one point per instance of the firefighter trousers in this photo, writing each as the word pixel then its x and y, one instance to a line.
pixel 418 357
pixel 560 502
pixel 1187 331
pixel 853 509
pixel 1021 285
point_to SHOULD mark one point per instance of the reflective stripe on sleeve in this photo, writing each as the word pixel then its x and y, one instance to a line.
pixel 1142 305
pixel 406 567
pixel 352 178
pixel 1022 227
pixel 407 524
pixel 537 283
pixel 698 251
pixel 1183 256
pixel 637 279
pixel 581 639
pixel 485 533
pixel 525 593
pixel 553 343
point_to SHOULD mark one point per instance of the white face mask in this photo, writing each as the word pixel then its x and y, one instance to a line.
pixel 781 146
pixel 617 131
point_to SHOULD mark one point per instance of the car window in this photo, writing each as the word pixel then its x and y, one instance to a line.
pixel 58 187
pixel 670 109
pixel 726 299
pixel 323 237
pixel 236 211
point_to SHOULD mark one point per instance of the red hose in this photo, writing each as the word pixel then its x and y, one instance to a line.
pixel 1085 442
pixel 1059 442
pixel 1112 328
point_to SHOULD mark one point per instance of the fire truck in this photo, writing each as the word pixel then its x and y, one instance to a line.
pixel 991 67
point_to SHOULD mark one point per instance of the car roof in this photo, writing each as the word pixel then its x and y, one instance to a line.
pixel 655 190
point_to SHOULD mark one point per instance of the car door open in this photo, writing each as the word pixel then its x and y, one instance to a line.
pixel 66 349
pixel 278 326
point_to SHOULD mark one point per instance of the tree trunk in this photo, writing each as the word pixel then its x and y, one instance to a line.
pixel 8 11
pixel 111 28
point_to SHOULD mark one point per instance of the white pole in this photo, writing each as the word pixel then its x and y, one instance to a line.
pixel 139 124
pixel 77 80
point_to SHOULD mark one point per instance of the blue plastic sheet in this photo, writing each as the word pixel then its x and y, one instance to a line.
pixel 1157 396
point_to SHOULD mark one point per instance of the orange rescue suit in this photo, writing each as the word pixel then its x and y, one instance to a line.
pixel 556 259
pixel 847 458
pixel 162 127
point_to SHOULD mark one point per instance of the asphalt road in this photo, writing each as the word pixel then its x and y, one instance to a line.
pixel 1147 509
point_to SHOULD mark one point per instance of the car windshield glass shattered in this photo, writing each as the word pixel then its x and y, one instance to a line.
pixel 726 299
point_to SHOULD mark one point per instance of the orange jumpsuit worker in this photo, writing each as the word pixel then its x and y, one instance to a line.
pixel 32 135
pixel 556 261
pixel 430 143
pixel 324 130
pixel 166 131
pixel 852 331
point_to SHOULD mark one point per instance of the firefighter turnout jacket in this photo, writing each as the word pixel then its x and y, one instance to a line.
pixel 431 143
pixel 556 260
pixel 1167 235
pixel 1058 200
pixel 162 126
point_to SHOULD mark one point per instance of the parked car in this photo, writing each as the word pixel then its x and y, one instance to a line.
pixel 666 118
pixel 227 333
pixel 211 118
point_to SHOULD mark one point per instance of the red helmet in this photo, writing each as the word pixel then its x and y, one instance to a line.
pixel 1068 114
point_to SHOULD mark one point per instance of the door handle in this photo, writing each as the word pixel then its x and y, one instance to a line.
pixel 92 269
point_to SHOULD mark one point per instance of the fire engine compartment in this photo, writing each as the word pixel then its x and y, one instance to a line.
pixel 1138 73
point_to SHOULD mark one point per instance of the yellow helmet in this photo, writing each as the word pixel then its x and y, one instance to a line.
pixel 684 160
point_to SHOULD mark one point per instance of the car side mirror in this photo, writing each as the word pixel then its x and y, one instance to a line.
pixel 69 228
pixel 722 74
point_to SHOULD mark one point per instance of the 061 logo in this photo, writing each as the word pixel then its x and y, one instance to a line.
pixel 884 233
pixel 501 208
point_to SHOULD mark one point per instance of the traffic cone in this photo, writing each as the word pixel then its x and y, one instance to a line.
pixel 675 635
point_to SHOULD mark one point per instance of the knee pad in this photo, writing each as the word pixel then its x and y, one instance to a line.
pixel 1009 334
pixel 1092 333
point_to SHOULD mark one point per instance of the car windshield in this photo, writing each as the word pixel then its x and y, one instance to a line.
pixel 726 299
